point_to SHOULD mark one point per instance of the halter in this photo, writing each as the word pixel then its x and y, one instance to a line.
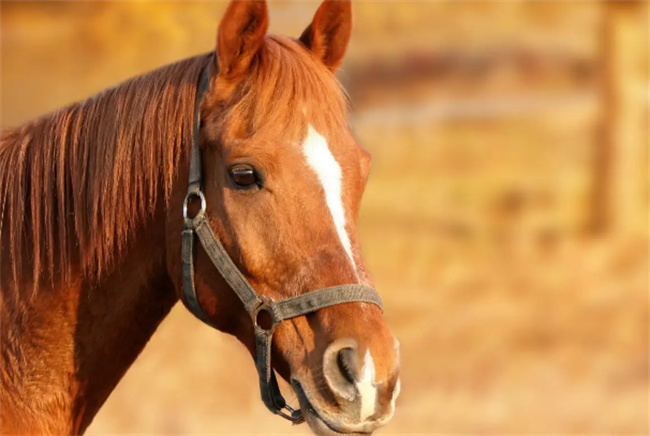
pixel 254 303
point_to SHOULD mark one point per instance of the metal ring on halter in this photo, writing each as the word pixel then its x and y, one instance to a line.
pixel 196 193
pixel 266 305
pixel 294 415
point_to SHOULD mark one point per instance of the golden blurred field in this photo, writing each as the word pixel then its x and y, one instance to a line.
pixel 514 269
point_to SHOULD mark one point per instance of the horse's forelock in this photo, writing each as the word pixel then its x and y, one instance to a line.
pixel 290 88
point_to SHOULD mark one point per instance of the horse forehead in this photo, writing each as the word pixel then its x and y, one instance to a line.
pixel 332 151
pixel 286 140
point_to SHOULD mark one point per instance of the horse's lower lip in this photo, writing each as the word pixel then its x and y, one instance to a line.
pixel 308 408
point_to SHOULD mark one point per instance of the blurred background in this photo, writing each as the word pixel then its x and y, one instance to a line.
pixel 505 221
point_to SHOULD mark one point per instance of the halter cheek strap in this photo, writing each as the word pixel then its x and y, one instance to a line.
pixel 254 303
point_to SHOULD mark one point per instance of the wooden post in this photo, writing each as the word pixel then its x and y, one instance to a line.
pixel 620 201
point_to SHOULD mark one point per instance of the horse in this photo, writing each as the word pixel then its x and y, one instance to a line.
pixel 93 239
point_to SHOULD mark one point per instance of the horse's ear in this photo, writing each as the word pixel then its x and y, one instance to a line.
pixel 240 35
pixel 328 34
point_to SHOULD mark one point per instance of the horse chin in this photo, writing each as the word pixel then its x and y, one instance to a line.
pixel 319 424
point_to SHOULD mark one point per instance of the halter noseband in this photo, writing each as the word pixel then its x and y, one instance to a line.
pixel 254 303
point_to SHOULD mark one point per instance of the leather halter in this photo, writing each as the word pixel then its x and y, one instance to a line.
pixel 254 303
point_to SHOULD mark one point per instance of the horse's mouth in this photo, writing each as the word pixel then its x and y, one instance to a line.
pixel 319 424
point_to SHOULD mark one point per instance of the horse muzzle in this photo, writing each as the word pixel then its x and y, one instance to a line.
pixel 347 398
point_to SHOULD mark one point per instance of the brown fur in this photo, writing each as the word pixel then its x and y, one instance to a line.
pixel 90 224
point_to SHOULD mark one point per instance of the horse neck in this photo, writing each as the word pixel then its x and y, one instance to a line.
pixel 65 351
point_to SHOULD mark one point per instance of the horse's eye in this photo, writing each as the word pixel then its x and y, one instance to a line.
pixel 244 176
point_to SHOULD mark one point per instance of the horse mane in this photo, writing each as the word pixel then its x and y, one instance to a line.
pixel 75 184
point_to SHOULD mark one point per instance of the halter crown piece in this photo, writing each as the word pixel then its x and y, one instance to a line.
pixel 254 303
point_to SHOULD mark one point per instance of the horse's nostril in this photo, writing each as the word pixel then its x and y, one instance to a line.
pixel 341 368
pixel 346 362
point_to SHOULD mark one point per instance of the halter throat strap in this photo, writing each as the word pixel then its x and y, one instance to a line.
pixel 254 303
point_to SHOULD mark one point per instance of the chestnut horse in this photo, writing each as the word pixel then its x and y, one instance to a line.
pixel 90 214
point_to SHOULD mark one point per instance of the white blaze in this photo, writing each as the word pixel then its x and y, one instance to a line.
pixel 396 391
pixel 398 385
pixel 320 159
pixel 367 387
